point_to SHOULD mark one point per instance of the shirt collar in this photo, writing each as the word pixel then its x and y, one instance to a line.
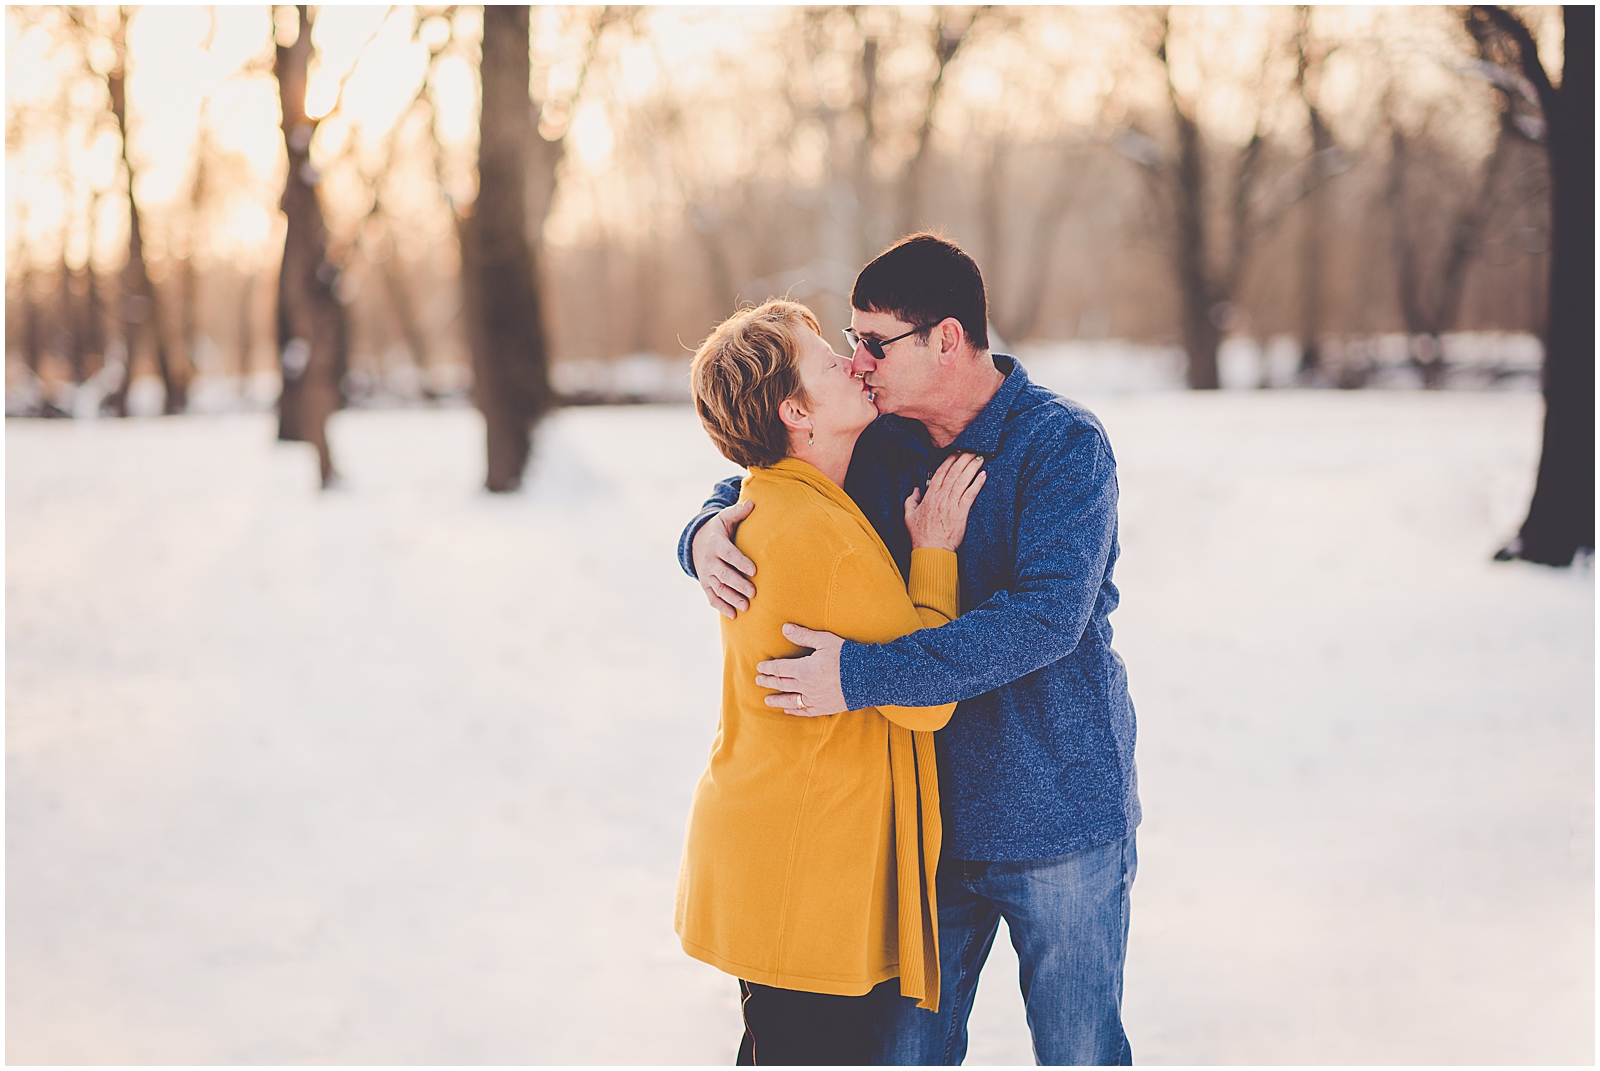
pixel 982 436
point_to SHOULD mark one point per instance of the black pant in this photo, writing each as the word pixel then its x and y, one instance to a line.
pixel 786 1026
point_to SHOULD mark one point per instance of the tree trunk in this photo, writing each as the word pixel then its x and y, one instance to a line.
pixel 189 313
pixel 246 329
pixel 94 327
pixel 1201 335
pixel 1313 242
pixel 1201 340
pixel 1560 519
pixel 1203 295
pixel 1430 289
pixel 32 321
pixel 1420 330
pixel 312 329
pixel 141 322
pixel 74 342
pixel 511 383
pixel 1426 352
pixel 1314 224
pixel 189 277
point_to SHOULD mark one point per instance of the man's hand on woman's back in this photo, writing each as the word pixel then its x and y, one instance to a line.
pixel 724 570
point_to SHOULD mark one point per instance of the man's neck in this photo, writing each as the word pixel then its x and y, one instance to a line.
pixel 965 398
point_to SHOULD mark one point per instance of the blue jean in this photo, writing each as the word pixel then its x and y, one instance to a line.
pixel 1068 918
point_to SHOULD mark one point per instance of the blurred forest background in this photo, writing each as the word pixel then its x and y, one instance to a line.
pixel 319 207
pixel 358 778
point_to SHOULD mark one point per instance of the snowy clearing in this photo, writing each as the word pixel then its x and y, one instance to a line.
pixel 398 774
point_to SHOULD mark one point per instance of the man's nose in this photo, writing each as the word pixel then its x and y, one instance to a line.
pixel 861 361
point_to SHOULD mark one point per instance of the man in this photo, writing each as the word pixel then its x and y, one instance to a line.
pixel 1036 769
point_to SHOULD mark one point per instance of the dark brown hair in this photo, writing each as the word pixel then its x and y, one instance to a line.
pixel 747 367
pixel 922 279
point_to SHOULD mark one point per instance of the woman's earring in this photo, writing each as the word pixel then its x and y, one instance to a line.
pixel 811 439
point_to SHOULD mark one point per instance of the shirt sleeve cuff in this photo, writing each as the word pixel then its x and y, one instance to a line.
pixel 864 667
pixel 686 541
pixel 855 677
pixel 935 581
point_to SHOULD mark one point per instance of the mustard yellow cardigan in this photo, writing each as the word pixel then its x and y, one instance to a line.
pixel 812 843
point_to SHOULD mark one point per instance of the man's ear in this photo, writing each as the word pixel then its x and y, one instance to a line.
pixel 949 335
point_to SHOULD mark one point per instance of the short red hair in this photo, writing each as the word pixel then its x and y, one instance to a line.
pixel 747 367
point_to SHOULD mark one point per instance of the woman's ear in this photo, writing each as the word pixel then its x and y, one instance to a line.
pixel 794 418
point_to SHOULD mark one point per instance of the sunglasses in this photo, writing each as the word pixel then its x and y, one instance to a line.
pixel 876 346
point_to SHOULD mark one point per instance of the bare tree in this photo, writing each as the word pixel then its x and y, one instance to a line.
pixel 674 160
pixel 140 309
pixel 1207 280
pixel 374 240
pixel 836 62
pixel 500 233
pixel 313 331
pixel 1212 237
pixel 505 322
pixel 823 135
pixel 200 183
pixel 1560 520
pixel 92 310
pixel 1068 182
pixel 189 284
pixel 1430 295
pixel 1430 288
pixel 32 314
pixel 501 239
pixel 1326 159
pixel 950 31
pixel 71 325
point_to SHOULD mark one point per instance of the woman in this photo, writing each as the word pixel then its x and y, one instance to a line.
pixel 808 867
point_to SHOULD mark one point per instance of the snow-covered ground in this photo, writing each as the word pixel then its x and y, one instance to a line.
pixel 398 773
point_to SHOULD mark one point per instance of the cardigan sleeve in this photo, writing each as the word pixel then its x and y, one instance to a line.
pixel 934 588
pixel 863 600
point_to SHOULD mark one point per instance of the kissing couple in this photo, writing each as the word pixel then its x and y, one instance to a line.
pixel 923 726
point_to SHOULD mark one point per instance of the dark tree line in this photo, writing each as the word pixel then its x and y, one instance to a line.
pixel 1035 209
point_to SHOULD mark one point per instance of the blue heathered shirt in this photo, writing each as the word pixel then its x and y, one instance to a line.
pixel 1038 758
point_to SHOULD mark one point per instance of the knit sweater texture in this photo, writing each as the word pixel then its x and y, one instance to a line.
pixel 812 843
pixel 1038 760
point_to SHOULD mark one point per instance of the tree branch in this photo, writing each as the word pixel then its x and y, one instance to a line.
pixel 1527 52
